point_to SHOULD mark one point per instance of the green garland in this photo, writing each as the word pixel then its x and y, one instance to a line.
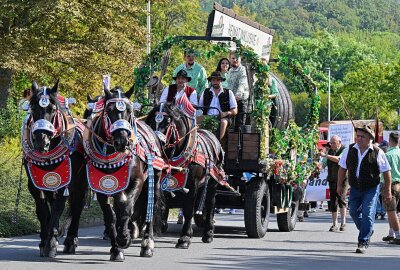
pixel 304 140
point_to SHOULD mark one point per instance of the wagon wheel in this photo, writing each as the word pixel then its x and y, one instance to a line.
pixel 287 221
pixel 257 208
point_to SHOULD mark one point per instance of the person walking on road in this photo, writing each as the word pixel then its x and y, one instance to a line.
pixel 331 159
pixel 391 192
pixel 364 162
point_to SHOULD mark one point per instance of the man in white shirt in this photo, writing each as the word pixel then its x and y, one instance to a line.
pixel 364 162
pixel 173 92
pixel 238 83
pixel 220 98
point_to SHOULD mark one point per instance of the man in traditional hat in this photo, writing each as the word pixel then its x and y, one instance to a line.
pixel 364 162
pixel 175 91
pixel 194 70
pixel 221 98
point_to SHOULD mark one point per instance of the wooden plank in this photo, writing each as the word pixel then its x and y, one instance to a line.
pixel 250 155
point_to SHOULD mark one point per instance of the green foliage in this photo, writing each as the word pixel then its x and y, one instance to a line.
pixel 76 41
pixel 210 123
pixel 371 86
pixel 294 148
pixel 10 120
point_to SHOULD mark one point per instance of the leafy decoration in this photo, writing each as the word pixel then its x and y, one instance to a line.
pixel 210 123
pixel 301 140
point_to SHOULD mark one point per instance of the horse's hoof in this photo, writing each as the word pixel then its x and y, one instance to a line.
pixel 50 252
pixel 41 251
pixel 183 243
pixel 164 227
pixel 146 252
pixel 70 245
pixel 69 249
pixel 117 255
pixel 207 239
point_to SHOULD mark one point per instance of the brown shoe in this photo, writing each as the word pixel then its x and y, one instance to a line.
pixel 388 238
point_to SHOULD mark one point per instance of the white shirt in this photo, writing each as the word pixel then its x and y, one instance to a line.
pixel 215 101
pixel 192 98
pixel 382 161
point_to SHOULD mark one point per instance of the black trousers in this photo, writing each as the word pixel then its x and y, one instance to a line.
pixel 241 116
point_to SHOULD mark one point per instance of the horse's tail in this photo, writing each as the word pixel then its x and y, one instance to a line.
pixel 160 210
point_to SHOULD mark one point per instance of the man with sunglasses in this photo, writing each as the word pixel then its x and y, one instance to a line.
pixel 194 70
pixel 364 162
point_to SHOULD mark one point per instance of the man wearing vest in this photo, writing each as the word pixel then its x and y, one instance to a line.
pixel 174 91
pixel 392 192
pixel 220 98
pixel 331 159
pixel 364 162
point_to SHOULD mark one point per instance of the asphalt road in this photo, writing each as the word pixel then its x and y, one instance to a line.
pixel 309 246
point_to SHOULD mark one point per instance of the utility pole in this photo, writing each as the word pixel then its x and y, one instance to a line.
pixel 148 27
pixel 329 93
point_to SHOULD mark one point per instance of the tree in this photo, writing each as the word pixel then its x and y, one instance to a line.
pixel 371 86
pixel 75 40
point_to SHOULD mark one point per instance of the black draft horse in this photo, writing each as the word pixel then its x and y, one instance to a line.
pixel 178 130
pixel 115 132
pixel 55 165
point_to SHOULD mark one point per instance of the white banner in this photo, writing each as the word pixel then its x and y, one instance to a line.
pixel 344 131
pixel 318 189
pixel 227 26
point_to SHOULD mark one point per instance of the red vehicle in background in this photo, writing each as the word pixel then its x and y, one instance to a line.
pixel 323 137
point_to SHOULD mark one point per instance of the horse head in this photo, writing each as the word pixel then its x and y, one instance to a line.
pixel 118 112
pixel 90 103
pixel 167 120
pixel 45 111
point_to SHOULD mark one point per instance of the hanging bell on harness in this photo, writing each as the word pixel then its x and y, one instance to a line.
pixel 109 199
pixel 66 192
pixel 123 196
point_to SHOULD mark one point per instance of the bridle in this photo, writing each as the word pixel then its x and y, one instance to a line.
pixel 110 127
pixel 57 126
pixel 171 137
